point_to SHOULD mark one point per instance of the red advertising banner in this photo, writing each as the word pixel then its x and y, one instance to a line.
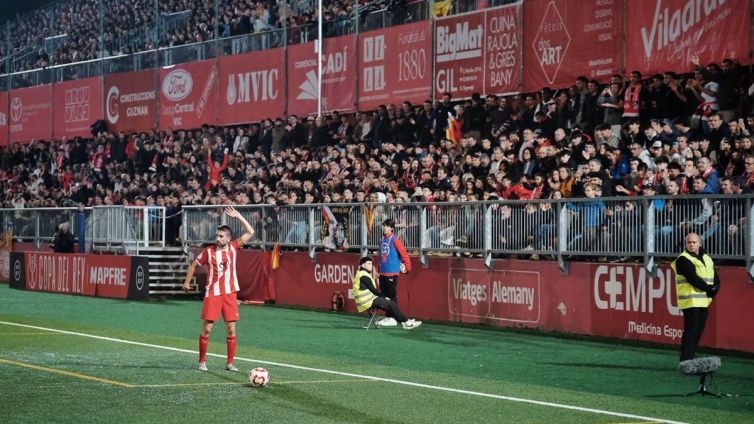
pixel 478 53
pixel 3 118
pixel 459 55
pixel 338 77
pixel 566 39
pixel 188 95
pixel 502 50
pixel 131 101
pixel 663 35
pixel 608 300
pixel 395 65
pixel 111 276
pixel 252 87
pixel 77 105
pixel 30 114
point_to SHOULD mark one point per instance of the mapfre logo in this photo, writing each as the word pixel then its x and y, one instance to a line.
pixel 177 85
pixel 16 109
pixel 112 103
pixel 631 288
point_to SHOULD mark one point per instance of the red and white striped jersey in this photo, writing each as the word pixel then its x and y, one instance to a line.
pixel 221 268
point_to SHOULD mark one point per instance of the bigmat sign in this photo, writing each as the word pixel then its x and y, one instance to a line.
pixel 663 35
pixel 567 39
pixel 30 114
pixel 188 95
pixel 123 277
pixel 131 101
pixel 395 64
pixel 77 105
pixel 252 87
pixel 478 53
pixel 338 76
pixel 615 300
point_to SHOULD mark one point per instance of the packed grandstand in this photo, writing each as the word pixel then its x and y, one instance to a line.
pixel 682 130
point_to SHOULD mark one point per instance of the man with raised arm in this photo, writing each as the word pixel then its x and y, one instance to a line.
pixel 222 286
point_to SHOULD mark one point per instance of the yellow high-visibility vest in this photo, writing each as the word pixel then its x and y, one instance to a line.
pixel 363 297
pixel 686 294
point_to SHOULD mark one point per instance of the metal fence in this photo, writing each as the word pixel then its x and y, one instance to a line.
pixel 598 229
pixel 106 226
pixel 616 229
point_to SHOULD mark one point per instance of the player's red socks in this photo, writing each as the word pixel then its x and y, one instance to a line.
pixel 231 348
pixel 203 343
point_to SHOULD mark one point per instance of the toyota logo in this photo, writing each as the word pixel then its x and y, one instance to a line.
pixel 16 109
pixel 139 277
pixel 17 270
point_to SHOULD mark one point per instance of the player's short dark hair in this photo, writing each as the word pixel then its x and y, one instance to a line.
pixel 389 223
pixel 226 229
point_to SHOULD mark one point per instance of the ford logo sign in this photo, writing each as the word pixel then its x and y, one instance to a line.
pixel 177 85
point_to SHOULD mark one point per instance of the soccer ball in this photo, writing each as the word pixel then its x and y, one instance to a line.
pixel 259 377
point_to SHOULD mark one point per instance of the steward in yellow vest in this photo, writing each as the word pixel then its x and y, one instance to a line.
pixel 696 283
pixel 367 296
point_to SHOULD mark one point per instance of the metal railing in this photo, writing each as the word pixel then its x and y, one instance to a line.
pixel 108 226
pixel 604 228
pixel 617 228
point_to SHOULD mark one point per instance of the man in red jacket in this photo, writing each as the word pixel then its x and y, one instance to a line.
pixel 394 260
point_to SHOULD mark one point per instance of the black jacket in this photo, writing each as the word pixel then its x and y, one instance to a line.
pixel 63 242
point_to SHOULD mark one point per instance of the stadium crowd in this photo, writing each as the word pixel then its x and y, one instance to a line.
pixel 680 131
pixel 77 24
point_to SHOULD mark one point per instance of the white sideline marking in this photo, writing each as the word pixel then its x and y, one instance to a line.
pixel 367 377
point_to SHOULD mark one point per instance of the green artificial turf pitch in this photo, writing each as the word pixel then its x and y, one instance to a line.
pixel 78 359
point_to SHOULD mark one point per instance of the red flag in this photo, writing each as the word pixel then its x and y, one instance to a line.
pixel 453 132
pixel 275 257
pixel 369 216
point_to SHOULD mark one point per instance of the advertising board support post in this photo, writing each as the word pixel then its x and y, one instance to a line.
pixel 319 47
pixel 81 227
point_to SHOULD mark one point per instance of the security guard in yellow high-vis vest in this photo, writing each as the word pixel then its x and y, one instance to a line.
pixel 696 284
pixel 367 296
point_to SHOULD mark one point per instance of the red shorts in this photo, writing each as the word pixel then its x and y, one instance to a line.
pixel 226 303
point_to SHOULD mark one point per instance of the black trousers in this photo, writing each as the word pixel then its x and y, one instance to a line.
pixel 694 320
pixel 390 308
pixel 389 287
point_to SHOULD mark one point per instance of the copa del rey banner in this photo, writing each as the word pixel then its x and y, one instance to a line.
pixel 567 39
pixel 338 76
pixel 395 65
pixel 30 113
pixel 78 104
pixel 663 35
pixel 188 94
pixel 131 101
pixel 478 52
pixel 252 87
pixel 3 118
